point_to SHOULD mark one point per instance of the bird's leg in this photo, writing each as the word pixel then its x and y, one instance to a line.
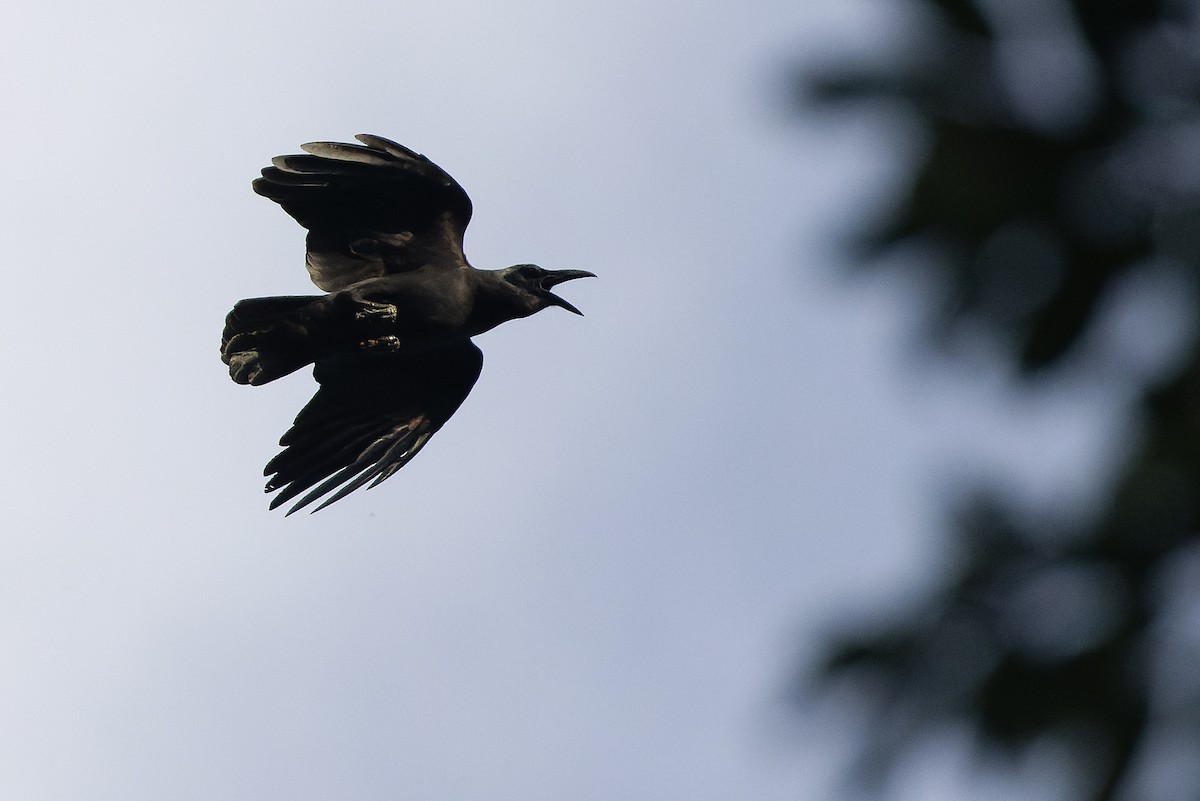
pixel 374 314
pixel 373 320
pixel 384 344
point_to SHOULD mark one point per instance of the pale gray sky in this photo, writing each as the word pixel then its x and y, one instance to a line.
pixel 595 580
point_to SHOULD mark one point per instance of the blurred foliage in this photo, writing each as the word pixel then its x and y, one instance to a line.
pixel 1059 158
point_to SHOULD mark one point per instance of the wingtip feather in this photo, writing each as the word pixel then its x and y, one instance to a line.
pixel 388 146
pixel 339 151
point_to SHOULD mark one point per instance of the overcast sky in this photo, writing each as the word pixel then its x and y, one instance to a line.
pixel 595 581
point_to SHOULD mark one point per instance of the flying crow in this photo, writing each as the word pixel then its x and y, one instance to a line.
pixel 391 339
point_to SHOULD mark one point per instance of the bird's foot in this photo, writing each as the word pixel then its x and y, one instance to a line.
pixel 376 315
pixel 386 344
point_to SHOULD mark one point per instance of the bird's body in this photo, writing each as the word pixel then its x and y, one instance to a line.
pixel 391 338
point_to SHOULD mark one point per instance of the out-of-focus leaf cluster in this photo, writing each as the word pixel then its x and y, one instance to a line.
pixel 1061 155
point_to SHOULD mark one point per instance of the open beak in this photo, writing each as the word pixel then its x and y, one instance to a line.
pixel 556 277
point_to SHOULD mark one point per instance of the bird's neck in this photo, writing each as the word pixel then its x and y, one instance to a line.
pixel 496 301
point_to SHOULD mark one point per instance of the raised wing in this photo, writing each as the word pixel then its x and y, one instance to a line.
pixel 370 417
pixel 370 209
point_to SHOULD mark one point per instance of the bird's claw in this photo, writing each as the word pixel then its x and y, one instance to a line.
pixel 388 343
pixel 377 314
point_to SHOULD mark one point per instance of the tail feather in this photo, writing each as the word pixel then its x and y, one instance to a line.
pixel 266 338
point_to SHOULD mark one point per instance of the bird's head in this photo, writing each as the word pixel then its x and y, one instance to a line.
pixel 537 283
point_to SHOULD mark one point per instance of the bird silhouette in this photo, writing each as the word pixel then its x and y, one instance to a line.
pixel 390 340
